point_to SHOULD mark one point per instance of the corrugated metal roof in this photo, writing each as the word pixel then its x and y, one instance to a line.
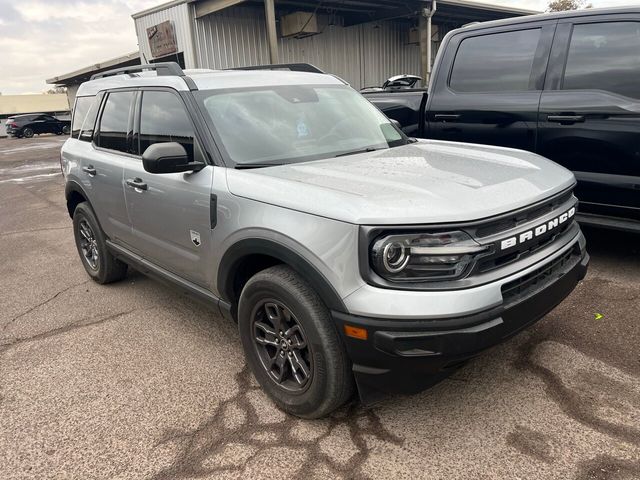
pixel 85 72
pixel 355 6
pixel 159 8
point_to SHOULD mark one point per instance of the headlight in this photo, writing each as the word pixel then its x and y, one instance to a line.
pixel 420 257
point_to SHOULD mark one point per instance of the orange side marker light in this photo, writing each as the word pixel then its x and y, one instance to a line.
pixel 355 332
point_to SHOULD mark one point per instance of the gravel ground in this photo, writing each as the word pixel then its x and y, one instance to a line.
pixel 135 380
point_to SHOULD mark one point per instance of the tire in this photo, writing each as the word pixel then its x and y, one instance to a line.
pixel 101 266
pixel 27 132
pixel 329 383
pixel 66 130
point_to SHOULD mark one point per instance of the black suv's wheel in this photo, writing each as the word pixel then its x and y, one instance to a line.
pixel 292 345
pixel 66 129
pixel 27 132
pixel 101 266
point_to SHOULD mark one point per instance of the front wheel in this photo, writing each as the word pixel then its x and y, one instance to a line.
pixel 292 345
pixel 66 129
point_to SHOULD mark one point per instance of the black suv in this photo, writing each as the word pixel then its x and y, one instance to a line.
pixel 36 124
pixel 564 85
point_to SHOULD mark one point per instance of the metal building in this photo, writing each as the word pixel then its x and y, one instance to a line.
pixel 72 80
pixel 362 41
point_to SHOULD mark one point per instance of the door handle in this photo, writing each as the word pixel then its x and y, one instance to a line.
pixel 566 119
pixel 446 117
pixel 89 169
pixel 137 183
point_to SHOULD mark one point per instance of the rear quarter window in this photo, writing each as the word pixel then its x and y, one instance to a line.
pixel 80 111
pixel 88 125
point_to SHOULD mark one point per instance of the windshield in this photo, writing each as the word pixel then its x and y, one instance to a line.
pixel 287 124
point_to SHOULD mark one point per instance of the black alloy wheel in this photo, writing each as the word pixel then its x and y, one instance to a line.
pixel 292 344
pixel 91 242
pixel 89 245
pixel 282 346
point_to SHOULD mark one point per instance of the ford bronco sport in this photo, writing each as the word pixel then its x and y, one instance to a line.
pixel 350 255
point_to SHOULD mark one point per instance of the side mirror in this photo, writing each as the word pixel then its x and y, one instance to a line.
pixel 169 157
pixel 396 123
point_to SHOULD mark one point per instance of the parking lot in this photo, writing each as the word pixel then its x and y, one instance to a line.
pixel 137 380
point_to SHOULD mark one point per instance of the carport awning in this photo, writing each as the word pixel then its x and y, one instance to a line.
pixel 362 11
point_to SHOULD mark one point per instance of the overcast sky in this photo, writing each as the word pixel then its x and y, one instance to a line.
pixel 41 39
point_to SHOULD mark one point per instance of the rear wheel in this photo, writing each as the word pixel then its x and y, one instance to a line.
pixel 292 345
pixel 27 132
pixel 101 266
pixel 66 129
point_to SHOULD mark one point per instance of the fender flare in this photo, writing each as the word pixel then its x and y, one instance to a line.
pixel 71 187
pixel 261 246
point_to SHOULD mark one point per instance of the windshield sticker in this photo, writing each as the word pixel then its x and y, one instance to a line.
pixel 303 130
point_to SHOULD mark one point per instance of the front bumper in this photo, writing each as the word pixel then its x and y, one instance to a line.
pixel 407 356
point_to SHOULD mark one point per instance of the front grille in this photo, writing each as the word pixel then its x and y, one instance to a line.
pixel 540 277
pixel 499 261
pixel 511 222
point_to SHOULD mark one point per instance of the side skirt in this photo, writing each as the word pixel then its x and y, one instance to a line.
pixel 148 268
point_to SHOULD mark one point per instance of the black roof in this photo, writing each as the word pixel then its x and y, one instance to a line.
pixel 587 12
pixel 24 115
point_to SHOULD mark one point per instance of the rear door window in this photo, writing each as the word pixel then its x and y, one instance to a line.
pixel 604 56
pixel 115 122
pixel 498 62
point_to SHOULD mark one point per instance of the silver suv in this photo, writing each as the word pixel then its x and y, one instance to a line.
pixel 349 255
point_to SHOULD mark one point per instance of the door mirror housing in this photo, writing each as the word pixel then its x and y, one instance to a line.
pixel 168 157
pixel 396 123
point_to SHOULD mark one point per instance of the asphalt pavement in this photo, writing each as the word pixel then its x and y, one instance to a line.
pixel 136 380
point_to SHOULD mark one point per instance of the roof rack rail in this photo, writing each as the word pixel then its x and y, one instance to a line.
pixel 162 69
pixel 294 67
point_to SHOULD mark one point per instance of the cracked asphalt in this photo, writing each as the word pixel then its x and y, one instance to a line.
pixel 135 380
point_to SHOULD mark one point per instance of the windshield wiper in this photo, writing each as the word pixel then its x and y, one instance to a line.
pixel 364 150
pixel 248 166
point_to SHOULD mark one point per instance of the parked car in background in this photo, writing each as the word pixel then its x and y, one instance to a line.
pixel 398 82
pixel 36 124
pixel 564 85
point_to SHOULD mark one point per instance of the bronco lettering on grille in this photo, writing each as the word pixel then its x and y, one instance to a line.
pixel 537 231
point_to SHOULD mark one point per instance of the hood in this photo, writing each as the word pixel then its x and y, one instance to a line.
pixel 425 182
